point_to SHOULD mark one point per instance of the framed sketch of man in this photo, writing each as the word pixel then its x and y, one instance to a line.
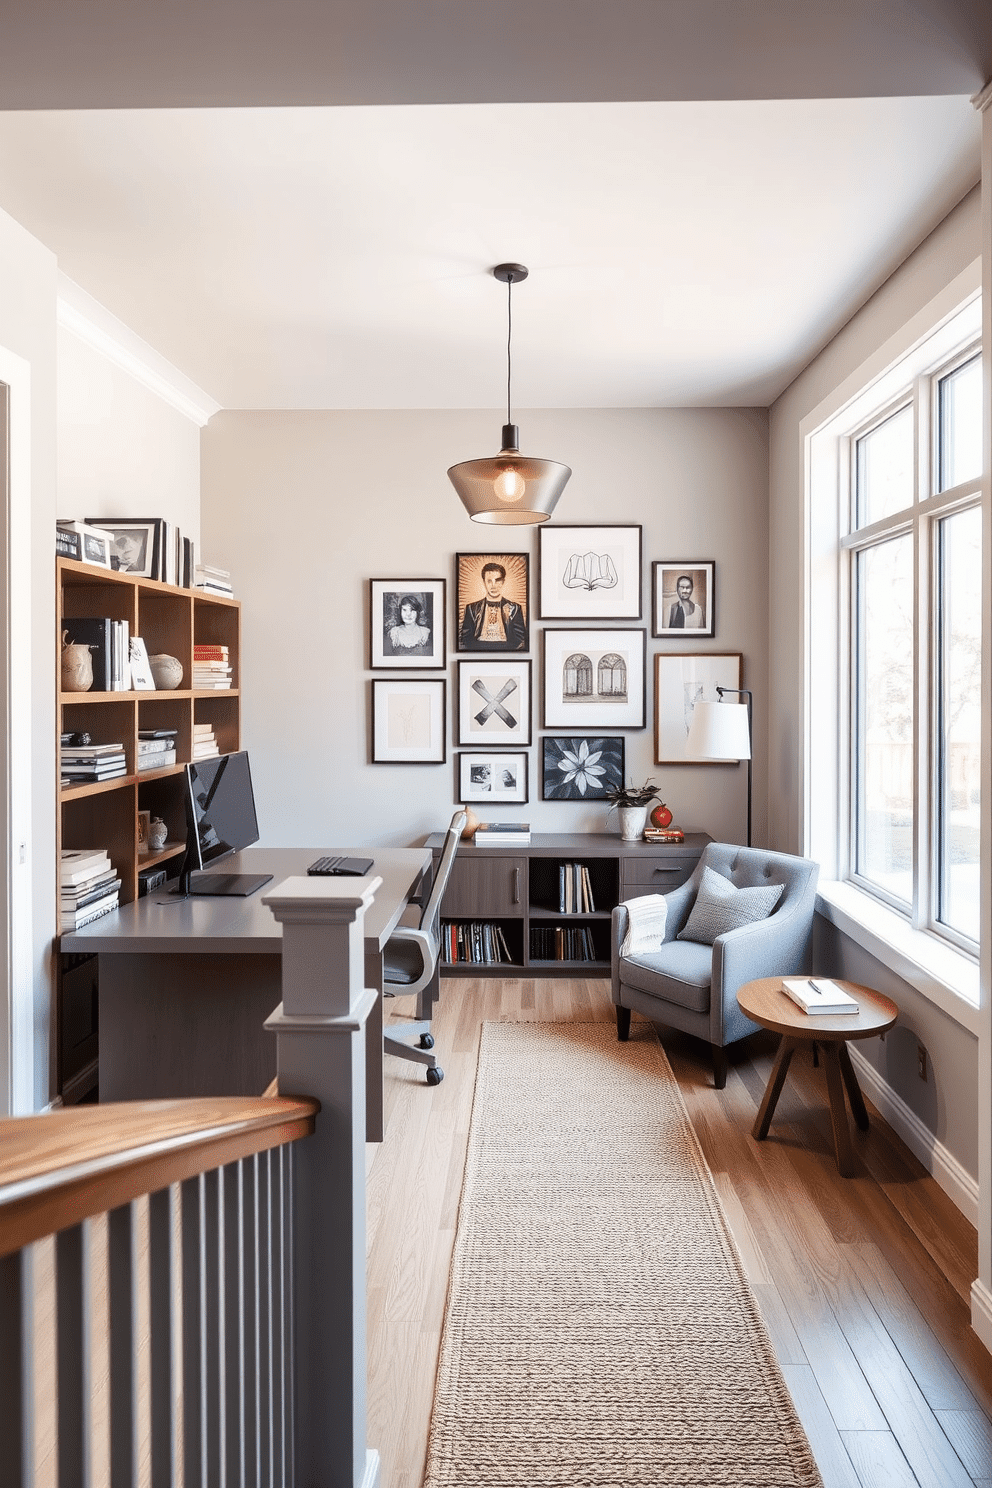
pixel 407 624
pixel 682 599
pixel 492 601
pixel 680 682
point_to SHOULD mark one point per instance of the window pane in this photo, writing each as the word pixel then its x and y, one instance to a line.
pixel 960 456
pixel 884 742
pixel 885 468
pixel 960 720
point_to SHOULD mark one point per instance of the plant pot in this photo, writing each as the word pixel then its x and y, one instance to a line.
pixel 632 820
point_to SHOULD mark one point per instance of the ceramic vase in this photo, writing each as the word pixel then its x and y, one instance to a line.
pixel 77 666
pixel 158 834
pixel 471 824
pixel 167 672
pixel 632 819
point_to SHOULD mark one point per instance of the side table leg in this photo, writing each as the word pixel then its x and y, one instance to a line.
pixel 776 1080
pixel 853 1088
pixel 838 1110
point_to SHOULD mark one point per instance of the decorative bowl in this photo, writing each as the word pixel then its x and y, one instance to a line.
pixel 167 672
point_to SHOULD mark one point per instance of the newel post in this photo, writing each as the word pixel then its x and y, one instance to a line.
pixel 320 1030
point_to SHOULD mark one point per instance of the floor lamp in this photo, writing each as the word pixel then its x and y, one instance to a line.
pixel 722 731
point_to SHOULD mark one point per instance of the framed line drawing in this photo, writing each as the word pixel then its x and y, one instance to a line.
pixel 491 610
pixel 135 542
pixel 680 682
pixel 494 702
pixel 682 596
pixel 408 721
pixel 594 679
pixel 589 573
pixel 580 768
pixel 407 624
pixel 491 777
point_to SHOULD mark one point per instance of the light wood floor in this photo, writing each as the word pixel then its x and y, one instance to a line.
pixel 864 1282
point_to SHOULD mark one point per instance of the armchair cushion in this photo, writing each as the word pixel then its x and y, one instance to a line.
pixel 677 972
pixel 720 906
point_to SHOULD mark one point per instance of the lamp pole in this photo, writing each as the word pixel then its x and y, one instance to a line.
pixel 744 693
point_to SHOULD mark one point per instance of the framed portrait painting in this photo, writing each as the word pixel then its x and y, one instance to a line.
pixel 682 599
pixel 580 768
pixel 407 623
pixel 680 683
pixel 491 777
pixel 408 722
pixel 594 677
pixel 589 573
pixel 494 703
pixel 492 611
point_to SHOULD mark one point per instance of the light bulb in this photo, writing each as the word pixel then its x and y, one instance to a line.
pixel 509 485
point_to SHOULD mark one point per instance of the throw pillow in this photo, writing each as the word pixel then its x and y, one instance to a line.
pixel 720 906
pixel 646 919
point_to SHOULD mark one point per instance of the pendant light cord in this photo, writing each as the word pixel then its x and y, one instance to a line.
pixel 509 328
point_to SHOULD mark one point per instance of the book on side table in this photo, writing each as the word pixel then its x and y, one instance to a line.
pixel 819 995
pixel 502 834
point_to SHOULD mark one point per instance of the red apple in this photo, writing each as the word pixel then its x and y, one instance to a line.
pixel 661 816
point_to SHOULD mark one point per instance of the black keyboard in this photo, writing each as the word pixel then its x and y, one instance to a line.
pixel 353 867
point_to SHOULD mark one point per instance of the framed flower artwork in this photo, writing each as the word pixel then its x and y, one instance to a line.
pixel 581 768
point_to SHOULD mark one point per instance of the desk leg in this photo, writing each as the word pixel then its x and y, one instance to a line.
pixel 838 1109
pixel 853 1088
pixel 776 1080
pixel 373 1051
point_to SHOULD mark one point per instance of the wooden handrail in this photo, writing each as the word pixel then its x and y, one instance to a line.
pixel 66 1166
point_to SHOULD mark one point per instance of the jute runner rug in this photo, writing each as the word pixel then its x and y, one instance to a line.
pixel 599 1327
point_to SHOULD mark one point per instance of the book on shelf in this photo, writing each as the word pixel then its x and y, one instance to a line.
pixel 155 746
pixel 208 651
pixel 473 942
pixel 502 834
pixel 76 919
pixel 664 834
pixel 164 733
pixel 160 761
pixel 92 751
pixel 95 632
pixel 818 996
pixel 77 864
pixel 87 775
pixel 206 751
pixel 575 894
pixel 77 896
pixel 210 683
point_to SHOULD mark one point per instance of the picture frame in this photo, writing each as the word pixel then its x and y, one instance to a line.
pixel 408 721
pixel 407 624
pixel 594 680
pixel 492 616
pixel 682 680
pixel 492 777
pixel 95 544
pixel 581 767
pixel 494 702
pixel 144 823
pixel 589 572
pixel 683 598
pixel 135 542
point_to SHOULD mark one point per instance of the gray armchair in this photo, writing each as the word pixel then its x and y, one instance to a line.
pixel 687 985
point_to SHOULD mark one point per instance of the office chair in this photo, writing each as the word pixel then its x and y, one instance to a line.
pixel 409 962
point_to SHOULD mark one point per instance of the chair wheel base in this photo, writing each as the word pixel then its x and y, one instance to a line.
pixel 435 1074
pixel 427 1041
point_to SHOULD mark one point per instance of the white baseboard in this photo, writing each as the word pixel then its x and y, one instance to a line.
pixel 371 1478
pixel 981 1313
pixel 958 1184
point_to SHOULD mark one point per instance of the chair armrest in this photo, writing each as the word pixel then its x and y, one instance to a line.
pixel 618 929
pixel 428 954
pixel 772 947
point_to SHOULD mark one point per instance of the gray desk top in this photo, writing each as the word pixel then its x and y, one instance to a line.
pixel 162 923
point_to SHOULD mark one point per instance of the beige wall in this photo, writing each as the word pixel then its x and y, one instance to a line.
pixel 304 508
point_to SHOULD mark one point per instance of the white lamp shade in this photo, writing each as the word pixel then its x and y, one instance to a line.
pixel 719 731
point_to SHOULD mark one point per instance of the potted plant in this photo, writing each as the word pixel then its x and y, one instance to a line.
pixel 631 802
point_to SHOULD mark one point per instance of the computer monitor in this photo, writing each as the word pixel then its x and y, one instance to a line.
pixel 220 820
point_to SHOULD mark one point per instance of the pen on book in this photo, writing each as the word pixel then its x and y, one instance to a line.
pixel 813 985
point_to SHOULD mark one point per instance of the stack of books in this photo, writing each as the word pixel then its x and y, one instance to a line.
pixel 664 834
pixel 502 834
pixel 211 667
pixel 562 943
pixel 84 764
pixel 156 749
pixel 214 580
pixel 575 894
pixel 204 742
pixel 88 886
pixel 480 942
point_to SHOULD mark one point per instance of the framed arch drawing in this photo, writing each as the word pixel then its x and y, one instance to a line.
pixel 594 679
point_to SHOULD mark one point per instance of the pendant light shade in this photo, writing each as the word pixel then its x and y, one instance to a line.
pixel 509 489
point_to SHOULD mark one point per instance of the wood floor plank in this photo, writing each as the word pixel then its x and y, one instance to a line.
pixel 970 1433
pixel 836 1468
pixel 878 1460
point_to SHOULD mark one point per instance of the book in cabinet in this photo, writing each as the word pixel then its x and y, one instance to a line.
pixel 502 910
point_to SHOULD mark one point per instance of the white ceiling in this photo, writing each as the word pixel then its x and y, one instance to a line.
pixel 681 251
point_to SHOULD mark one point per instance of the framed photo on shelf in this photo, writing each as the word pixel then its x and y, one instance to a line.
pixel 680 682
pixel 494 702
pixel 136 543
pixel 589 573
pixel 682 599
pixel 94 546
pixel 407 623
pixel 408 721
pixel 491 777
pixel 581 768
pixel 491 609
pixel 594 678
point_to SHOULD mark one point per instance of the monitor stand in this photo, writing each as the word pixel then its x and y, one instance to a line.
pixel 217 885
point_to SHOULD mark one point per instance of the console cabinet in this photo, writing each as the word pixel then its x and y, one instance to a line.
pixel 502 908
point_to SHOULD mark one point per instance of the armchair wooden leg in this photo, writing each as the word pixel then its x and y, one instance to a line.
pixel 719 1067
pixel 623 1023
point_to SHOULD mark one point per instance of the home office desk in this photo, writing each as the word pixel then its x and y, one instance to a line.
pixel 186 984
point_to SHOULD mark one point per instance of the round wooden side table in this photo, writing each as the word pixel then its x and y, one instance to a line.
pixel 765 1002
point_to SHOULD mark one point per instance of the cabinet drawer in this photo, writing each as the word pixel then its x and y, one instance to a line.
pixel 657 875
pixel 483 888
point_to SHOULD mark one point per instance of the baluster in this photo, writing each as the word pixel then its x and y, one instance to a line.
pixel 212 1323
pixel 232 1371
pixel 74 1322
pixel 249 1293
pixel 123 1267
pixel 194 1371
pixel 163 1281
pixel 17 1369
pixel 264 1294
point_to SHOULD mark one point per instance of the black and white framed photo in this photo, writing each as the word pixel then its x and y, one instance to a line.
pixel 492 611
pixel 682 597
pixel 589 573
pixel 581 768
pixel 94 544
pixel 407 623
pixel 408 721
pixel 491 777
pixel 494 702
pixel 594 677
pixel 680 682
pixel 135 543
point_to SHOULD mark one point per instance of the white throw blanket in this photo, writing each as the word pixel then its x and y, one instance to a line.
pixel 646 919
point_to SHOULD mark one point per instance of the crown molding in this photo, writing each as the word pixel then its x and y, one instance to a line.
pixel 84 317
pixel 983 98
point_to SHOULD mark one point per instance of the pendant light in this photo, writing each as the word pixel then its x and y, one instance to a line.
pixel 509 489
